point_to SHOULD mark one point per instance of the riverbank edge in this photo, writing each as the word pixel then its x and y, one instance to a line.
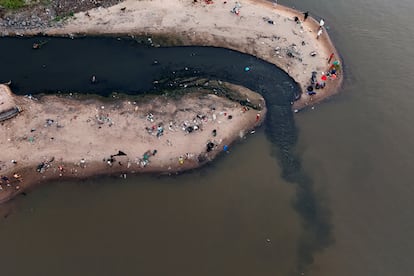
pixel 29 177
pixel 175 38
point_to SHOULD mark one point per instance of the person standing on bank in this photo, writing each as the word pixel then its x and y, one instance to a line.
pixel 319 33
pixel 321 23
pixel 305 16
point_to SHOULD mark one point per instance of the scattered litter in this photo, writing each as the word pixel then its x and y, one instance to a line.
pixel 49 122
pixel 38 45
pixel 236 9
pixel 41 168
pixel 189 129
pixel 102 119
pixel 268 20
pixel 30 97
pixel 82 163
pixel 145 160
pixel 210 146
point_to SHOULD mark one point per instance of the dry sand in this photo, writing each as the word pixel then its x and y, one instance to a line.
pixel 83 131
pixel 58 136
pixel 183 22
pixel 6 101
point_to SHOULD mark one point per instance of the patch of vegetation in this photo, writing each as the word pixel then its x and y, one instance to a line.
pixel 12 4
pixel 63 17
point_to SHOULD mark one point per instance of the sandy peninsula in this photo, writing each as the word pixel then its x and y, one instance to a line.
pixel 73 137
pixel 70 137
pixel 257 27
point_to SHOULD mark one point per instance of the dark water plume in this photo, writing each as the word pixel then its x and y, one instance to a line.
pixel 123 65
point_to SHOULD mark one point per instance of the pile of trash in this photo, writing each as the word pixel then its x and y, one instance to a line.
pixel 145 160
pixel 44 165
pixel 187 126
pixel 293 52
pixel 103 119
pixel 236 8
pixel 195 124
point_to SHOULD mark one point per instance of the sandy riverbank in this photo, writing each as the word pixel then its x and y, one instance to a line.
pixel 261 28
pixel 69 138
pixel 61 137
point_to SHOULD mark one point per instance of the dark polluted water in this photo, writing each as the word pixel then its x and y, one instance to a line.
pixel 64 65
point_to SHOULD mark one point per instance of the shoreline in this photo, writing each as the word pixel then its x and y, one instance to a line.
pixel 283 42
pixel 78 138
pixel 262 29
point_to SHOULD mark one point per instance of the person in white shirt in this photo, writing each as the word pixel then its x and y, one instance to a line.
pixel 321 23
pixel 319 33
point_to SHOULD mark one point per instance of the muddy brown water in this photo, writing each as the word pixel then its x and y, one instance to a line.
pixel 240 215
pixel 177 220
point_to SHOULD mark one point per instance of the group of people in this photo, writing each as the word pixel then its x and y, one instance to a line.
pixel 321 23
pixel 331 74
pixel 316 83
pixel 6 182
pixel 320 29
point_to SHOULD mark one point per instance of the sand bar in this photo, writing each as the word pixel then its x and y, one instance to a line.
pixel 73 138
pixel 65 137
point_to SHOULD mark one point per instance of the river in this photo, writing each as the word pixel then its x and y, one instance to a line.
pixel 342 207
pixel 358 147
